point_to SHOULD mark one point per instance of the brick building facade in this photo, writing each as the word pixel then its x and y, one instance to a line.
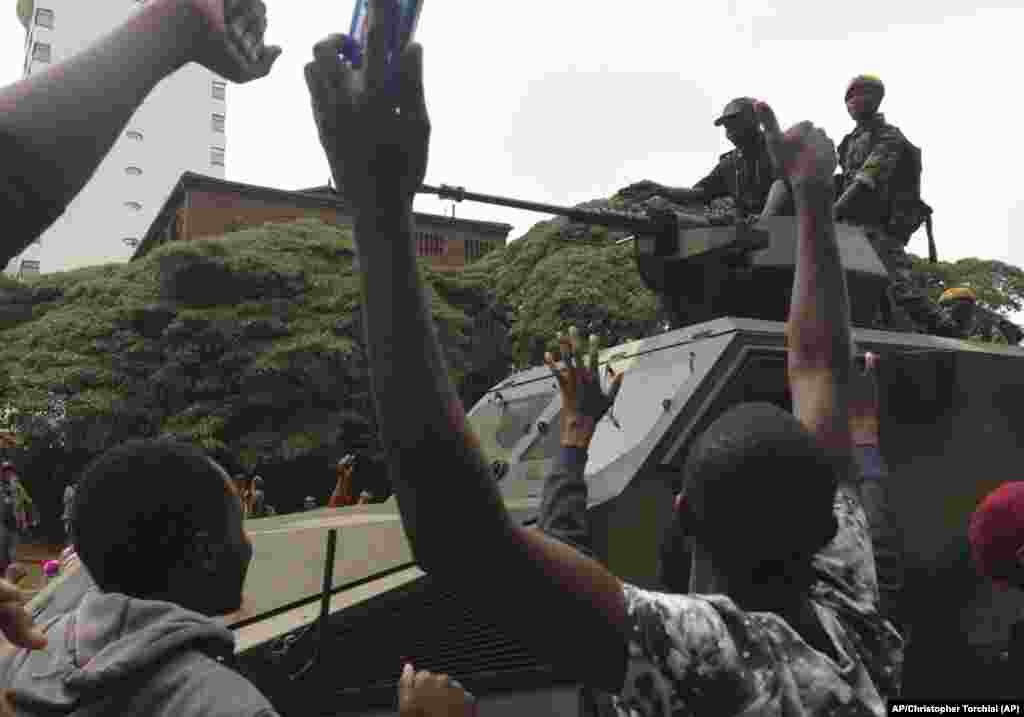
pixel 201 206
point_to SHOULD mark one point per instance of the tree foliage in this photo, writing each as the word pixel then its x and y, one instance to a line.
pixel 999 286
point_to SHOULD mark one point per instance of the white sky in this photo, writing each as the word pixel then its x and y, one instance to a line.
pixel 567 101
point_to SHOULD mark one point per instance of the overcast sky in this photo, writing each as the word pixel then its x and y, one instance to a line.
pixel 562 102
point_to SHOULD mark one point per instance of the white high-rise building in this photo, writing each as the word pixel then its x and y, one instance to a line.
pixel 180 127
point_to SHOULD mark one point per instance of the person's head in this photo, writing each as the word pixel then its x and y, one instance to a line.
pixel 178 525
pixel 759 495
pixel 7 470
pixel 740 122
pixel 863 96
pixel 310 502
pixel 961 302
pixel 996 536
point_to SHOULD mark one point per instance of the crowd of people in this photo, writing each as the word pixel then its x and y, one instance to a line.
pixel 777 609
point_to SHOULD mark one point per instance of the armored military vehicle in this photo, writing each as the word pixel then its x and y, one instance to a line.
pixel 330 620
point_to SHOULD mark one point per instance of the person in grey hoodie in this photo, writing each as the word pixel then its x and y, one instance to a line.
pixel 144 641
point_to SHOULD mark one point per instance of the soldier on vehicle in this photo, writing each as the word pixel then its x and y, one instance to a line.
pixel 879 188
pixel 960 305
pixel 746 173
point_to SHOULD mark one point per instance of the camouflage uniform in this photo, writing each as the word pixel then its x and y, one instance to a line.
pixel 877 155
pixel 692 654
pixel 745 178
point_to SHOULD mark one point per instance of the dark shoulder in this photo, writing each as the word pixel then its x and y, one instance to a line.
pixel 890 131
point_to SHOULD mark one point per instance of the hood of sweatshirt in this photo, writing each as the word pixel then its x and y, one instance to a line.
pixel 106 640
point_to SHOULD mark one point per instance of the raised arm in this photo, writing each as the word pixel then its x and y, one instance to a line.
pixel 563 505
pixel 818 332
pixel 62 122
pixel 569 608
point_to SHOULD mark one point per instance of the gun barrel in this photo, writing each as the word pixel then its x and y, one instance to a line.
pixel 616 220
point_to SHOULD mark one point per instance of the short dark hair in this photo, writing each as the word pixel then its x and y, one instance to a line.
pixel 138 506
pixel 760 487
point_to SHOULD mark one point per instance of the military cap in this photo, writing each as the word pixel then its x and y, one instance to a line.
pixel 866 80
pixel 959 292
pixel 736 107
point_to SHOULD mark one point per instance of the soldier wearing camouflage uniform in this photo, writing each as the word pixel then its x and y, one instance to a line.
pixel 880 189
pixel 960 304
pixel 746 173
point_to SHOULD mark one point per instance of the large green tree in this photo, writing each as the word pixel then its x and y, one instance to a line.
pixel 999 287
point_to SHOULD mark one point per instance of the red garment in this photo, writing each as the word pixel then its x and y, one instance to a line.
pixel 996 531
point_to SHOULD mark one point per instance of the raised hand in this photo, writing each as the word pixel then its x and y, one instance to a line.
pixel 583 400
pixel 232 45
pixel 803 154
pixel 375 134
pixel 15 621
pixel 424 694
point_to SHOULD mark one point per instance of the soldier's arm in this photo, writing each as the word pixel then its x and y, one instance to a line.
pixel 886 156
pixel 711 187
pixel 714 185
pixel 682 195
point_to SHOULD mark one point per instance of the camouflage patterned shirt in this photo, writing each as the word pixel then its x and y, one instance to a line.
pixel 747 178
pixel 874 154
pixel 697 655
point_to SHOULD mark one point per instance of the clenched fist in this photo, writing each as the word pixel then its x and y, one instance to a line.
pixel 232 44
pixel 803 154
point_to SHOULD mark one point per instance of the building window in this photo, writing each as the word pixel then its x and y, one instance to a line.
pixel 133 205
pixel 44 18
pixel 29 267
pixel 132 134
pixel 134 171
pixel 131 241
pixel 218 123
pixel 41 52
pixel 219 89
pixel 217 156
